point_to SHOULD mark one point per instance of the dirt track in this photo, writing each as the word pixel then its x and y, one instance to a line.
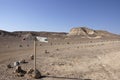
pixel 73 61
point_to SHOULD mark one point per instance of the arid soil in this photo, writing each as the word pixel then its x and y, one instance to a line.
pixel 65 59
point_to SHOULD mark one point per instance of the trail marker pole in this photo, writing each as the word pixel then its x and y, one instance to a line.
pixel 34 54
pixel 40 39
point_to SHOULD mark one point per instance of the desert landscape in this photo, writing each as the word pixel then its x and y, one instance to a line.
pixel 81 54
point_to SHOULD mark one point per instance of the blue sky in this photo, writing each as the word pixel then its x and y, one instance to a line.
pixel 59 15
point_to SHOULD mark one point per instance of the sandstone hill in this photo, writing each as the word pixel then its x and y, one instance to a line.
pixel 90 33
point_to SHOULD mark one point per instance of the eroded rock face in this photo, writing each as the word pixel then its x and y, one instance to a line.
pixel 81 31
pixel 77 31
pixel 88 31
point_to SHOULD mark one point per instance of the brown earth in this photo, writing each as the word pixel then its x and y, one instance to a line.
pixel 67 57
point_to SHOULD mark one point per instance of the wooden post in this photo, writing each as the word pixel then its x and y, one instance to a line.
pixel 34 54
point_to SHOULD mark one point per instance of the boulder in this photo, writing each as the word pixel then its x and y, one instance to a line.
pixel 36 74
pixel 31 73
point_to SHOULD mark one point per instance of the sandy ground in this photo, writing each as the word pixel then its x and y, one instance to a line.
pixel 98 60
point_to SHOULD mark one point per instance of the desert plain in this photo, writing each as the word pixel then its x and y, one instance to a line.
pixel 66 56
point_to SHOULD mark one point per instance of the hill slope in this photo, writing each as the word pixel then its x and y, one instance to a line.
pixel 79 32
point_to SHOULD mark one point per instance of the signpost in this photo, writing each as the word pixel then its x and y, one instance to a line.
pixel 35 54
pixel 40 39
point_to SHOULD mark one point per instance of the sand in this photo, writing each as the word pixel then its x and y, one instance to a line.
pixel 64 59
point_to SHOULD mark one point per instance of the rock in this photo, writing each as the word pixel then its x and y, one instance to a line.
pixel 18 69
pixel 22 61
pixel 81 31
pixel 20 45
pixel 46 51
pixel 9 66
pixel 47 73
pixel 19 72
pixel 76 31
pixel 32 57
pixel 61 64
pixel 88 31
pixel 33 74
pixel 30 71
pixel 27 36
pixel 36 74
pixel 16 64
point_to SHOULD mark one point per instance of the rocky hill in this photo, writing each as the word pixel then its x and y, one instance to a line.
pixel 5 33
pixel 81 31
pixel 90 33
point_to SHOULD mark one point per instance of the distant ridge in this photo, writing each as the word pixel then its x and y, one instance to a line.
pixel 31 33
pixel 82 32
pixel 6 33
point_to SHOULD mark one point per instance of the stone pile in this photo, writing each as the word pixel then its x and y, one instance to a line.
pixel 19 72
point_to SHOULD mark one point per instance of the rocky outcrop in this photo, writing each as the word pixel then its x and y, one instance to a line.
pixel 85 32
pixel 81 31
